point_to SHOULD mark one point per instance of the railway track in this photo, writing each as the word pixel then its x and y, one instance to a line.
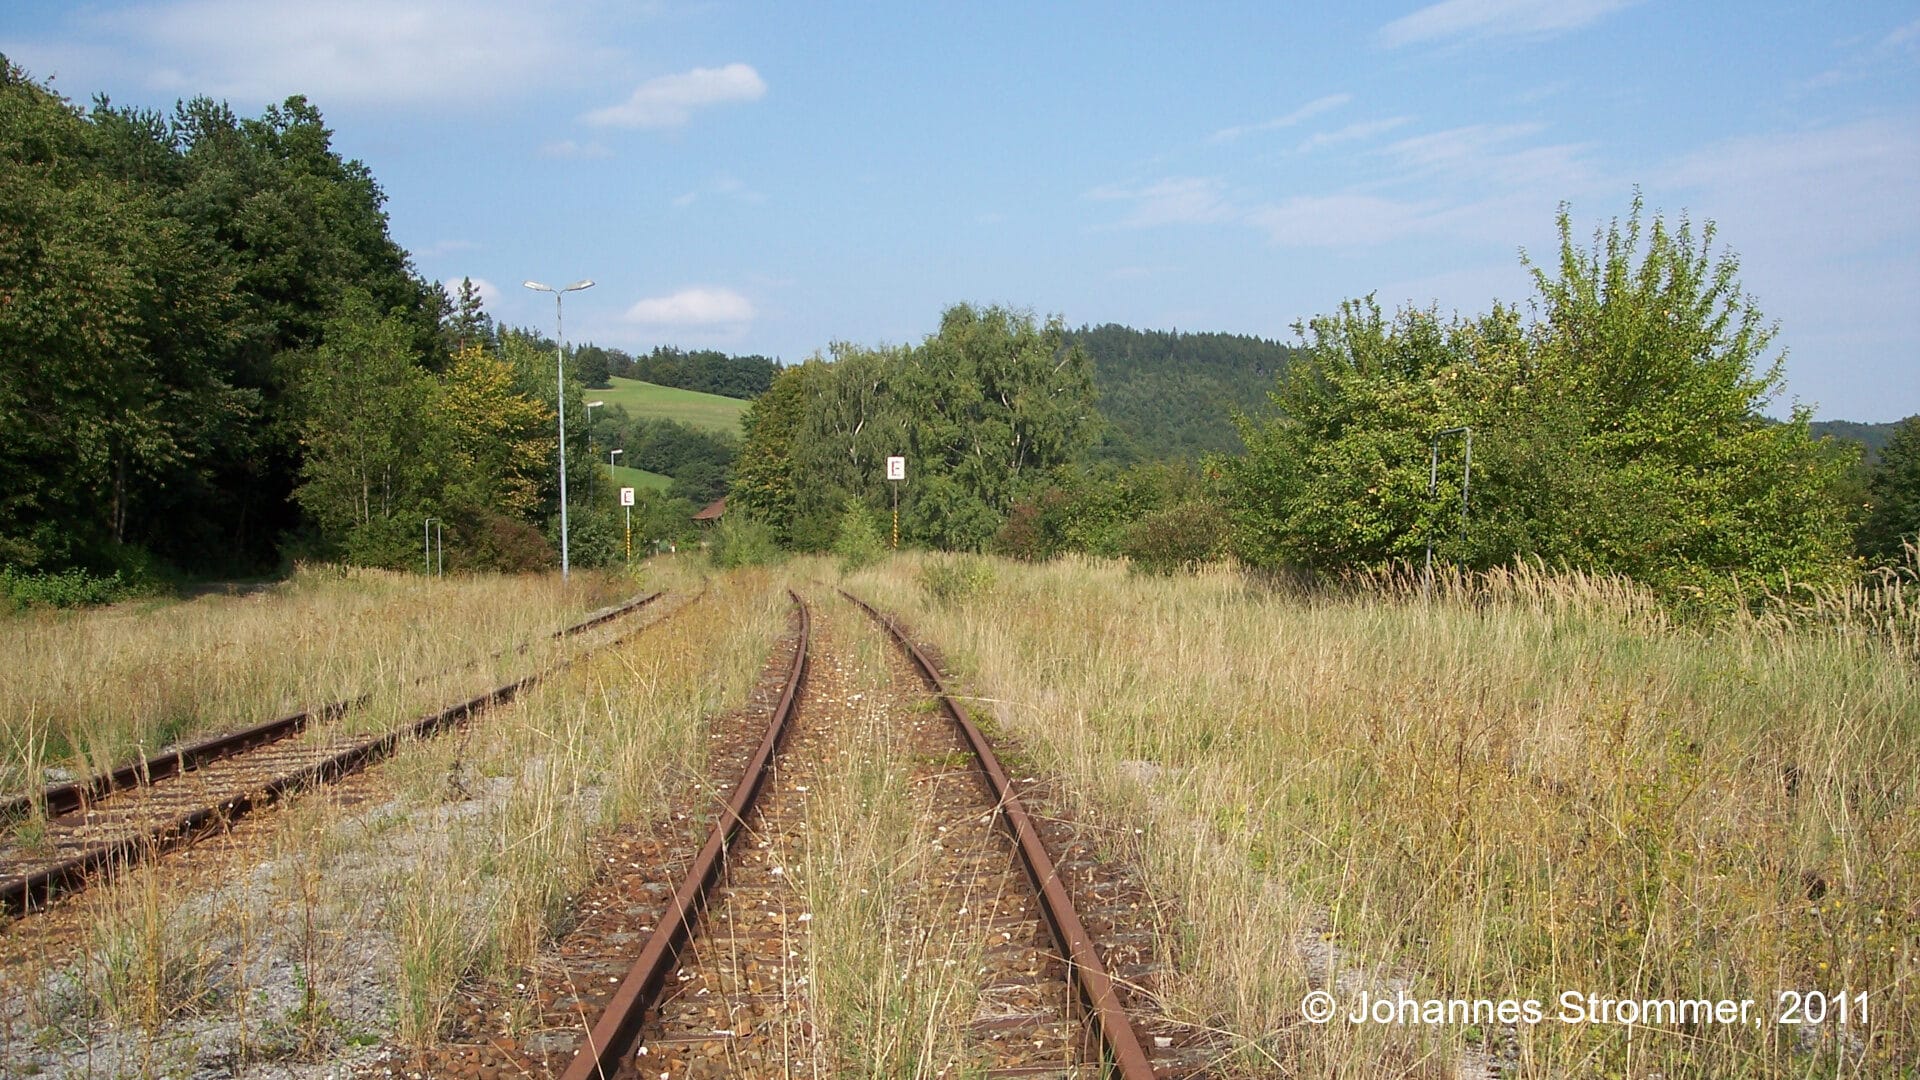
pixel 147 807
pixel 726 980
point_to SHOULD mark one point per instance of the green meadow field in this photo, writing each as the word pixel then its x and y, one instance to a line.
pixel 639 478
pixel 709 411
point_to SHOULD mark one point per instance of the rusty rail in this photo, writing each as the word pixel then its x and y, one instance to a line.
pixel 611 1037
pixel 26 892
pixel 1096 988
pixel 66 798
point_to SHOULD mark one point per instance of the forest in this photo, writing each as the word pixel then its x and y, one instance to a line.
pixel 220 362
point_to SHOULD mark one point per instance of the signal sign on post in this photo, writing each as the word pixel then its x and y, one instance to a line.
pixel 896 468
pixel 626 496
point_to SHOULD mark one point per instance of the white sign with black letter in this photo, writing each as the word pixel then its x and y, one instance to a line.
pixel 626 496
pixel 896 468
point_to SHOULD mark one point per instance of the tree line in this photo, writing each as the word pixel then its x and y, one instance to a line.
pixel 705 370
pixel 169 282
pixel 1621 431
pixel 217 359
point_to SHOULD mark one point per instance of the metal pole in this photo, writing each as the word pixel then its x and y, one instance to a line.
pixel 629 511
pixel 560 378
pixel 1433 488
pixel 426 546
pixel 560 382
pixel 440 548
pixel 590 407
pixel 1466 481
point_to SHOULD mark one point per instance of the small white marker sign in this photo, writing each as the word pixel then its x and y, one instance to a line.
pixel 626 496
pixel 896 468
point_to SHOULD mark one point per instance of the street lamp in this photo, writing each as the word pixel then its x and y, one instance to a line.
pixel 591 405
pixel 560 377
pixel 611 454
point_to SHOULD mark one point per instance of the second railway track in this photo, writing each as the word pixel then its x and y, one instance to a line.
pixel 144 808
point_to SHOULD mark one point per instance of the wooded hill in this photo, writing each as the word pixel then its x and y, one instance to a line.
pixel 1168 395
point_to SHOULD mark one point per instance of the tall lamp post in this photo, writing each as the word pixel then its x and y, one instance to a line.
pixel 560 376
pixel 591 405
pixel 611 454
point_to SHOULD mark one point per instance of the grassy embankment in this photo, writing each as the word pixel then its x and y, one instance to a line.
pixel 1514 791
pixel 367 917
pixel 84 691
pixel 709 411
pixel 644 399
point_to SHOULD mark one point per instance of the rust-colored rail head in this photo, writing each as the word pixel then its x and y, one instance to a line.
pixel 611 1037
pixel 1121 1043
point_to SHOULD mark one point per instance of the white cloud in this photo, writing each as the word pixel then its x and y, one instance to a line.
pixel 1892 52
pixel 1340 220
pixel 343 51
pixel 447 247
pixel 725 186
pixel 489 292
pixel 567 149
pixel 1365 129
pixel 1495 18
pixel 1176 201
pixel 1305 112
pixel 1846 188
pixel 669 100
pixel 697 306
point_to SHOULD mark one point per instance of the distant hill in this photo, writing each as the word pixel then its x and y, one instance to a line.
pixel 1168 395
pixel 1872 436
pixel 644 400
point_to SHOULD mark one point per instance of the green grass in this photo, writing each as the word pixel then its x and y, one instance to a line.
pixel 709 411
pixel 637 478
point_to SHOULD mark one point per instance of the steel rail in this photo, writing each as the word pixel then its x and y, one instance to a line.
pixel 20 894
pixel 611 1037
pixel 66 798
pixel 1096 988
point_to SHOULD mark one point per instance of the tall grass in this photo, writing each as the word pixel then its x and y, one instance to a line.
pixel 592 751
pixel 892 962
pixel 87 691
pixel 1511 788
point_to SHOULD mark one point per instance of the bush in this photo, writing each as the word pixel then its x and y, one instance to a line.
pixel 595 537
pixel 955 580
pixel 857 541
pixel 740 540
pixel 506 545
pixel 68 588
pixel 1179 537
pixel 389 543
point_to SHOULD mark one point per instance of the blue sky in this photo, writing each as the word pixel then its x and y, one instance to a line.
pixel 772 178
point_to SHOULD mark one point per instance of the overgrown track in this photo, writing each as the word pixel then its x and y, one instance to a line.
pixel 1121 1045
pixel 176 797
pixel 611 1037
pixel 58 799
pixel 735 996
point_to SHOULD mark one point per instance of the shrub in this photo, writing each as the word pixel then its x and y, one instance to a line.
pixel 740 540
pixel 68 588
pixel 1179 537
pixel 954 580
pixel 596 537
pixel 507 545
pixel 857 540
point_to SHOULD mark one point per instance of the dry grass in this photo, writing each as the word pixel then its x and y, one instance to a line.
pixel 87 691
pixel 592 751
pixel 1510 791
pixel 889 994
pixel 368 916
